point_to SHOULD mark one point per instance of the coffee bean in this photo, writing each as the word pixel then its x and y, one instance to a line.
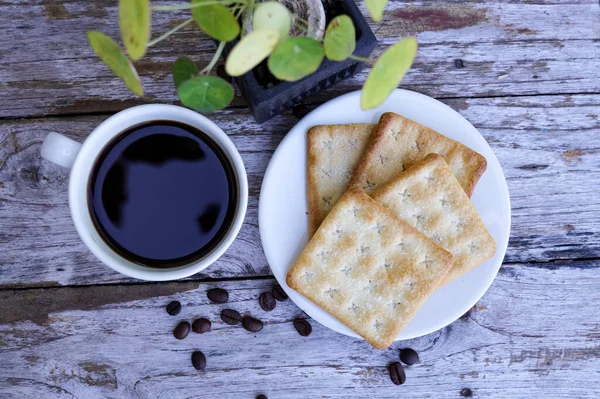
pixel 201 325
pixel 182 330
pixel 300 110
pixel 409 356
pixel 279 293
pixel 222 74
pixel 262 397
pixel 266 301
pixel 199 360
pixel 251 324
pixel 231 317
pixel 397 373
pixel 303 327
pixel 466 392
pixel 218 295
pixel 174 308
pixel 458 63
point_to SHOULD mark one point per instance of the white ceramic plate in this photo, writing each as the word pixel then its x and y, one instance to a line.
pixel 283 218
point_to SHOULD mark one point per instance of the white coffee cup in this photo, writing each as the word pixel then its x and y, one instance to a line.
pixel 81 158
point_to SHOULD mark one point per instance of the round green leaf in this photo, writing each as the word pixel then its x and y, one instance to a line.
pixel 183 69
pixel 117 61
pixel 216 20
pixel 340 38
pixel 134 22
pixel 251 50
pixel 272 14
pixel 205 93
pixel 375 8
pixel 387 72
pixel 296 58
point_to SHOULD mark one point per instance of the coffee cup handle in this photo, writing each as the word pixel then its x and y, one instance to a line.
pixel 60 149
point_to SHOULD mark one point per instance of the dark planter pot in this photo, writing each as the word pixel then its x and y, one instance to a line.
pixel 268 97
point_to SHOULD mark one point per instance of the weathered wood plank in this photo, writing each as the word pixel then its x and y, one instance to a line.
pixel 507 48
pixel 529 336
pixel 547 145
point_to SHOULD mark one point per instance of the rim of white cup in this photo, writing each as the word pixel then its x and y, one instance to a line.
pixel 92 147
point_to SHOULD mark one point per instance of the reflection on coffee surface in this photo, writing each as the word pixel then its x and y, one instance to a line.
pixel 162 194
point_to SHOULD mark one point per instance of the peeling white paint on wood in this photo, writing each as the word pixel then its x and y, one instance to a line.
pixel 548 146
pixel 529 336
pixel 541 47
pixel 529 82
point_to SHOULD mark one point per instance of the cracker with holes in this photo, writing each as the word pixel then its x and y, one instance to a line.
pixel 429 198
pixel 368 268
pixel 333 153
pixel 399 142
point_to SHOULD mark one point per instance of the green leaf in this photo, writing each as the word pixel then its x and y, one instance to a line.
pixel 387 72
pixel 183 70
pixel 296 58
pixel 340 38
pixel 375 8
pixel 134 22
pixel 251 50
pixel 117 61
pixel 216 20
pixel 205 93
pixel 272 14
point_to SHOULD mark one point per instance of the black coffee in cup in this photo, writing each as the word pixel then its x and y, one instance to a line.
pixel 162 194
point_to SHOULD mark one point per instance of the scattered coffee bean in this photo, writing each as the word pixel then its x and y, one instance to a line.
pixel 174 308
pixel 303 327
pixel 466 392
pixel 231 317
pixel 266 301
pixel 222 74
pixel 409 356
pixel 182 330
pixel 199 360
pixel 279 293
pixel 251 324
pixel 458 63
pixel 300 110
pixel 397 373
pixel 218 295
pixel 201 325
pixel 262 397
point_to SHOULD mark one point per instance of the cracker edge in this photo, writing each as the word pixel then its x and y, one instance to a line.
pixel 314 215
pixel 414 170
pixel 390 118
pixel 311 178
pixel 363 198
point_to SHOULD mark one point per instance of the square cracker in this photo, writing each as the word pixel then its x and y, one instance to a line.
pixel 428 197
pixel 398 142
pixel 333 153
pixel 368 268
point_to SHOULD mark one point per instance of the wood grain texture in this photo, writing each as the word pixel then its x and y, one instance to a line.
pixel 524 72
pixel 506 48
pixel 548 147
pixel 119 346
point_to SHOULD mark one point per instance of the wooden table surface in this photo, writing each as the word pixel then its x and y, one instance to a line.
pixel 73 328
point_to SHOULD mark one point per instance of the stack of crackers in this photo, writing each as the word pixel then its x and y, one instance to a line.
pixel 390 220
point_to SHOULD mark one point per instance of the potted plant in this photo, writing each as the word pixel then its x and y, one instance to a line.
pixel 278 52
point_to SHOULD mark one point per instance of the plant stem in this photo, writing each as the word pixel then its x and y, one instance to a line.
pixel 239 11
pixel 201 4
pixel 214 60
pixel 305 22
pixel 169 33
pixel 301 27
pixel 362 59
